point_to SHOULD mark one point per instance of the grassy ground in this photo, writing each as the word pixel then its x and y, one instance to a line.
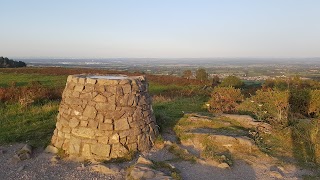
pixel 24 79
pixel 35 123
pixel 168 113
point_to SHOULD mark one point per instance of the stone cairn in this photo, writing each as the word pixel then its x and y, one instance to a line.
pixel 104 117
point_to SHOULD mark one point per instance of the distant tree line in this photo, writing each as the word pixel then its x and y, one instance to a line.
pixel 9 63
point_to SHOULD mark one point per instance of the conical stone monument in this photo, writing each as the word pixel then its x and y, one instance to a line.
pixel 105 117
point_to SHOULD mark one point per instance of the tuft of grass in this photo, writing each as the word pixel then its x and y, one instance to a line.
pixel 212 151
pixel 182 153
pixel 61 153
pixel 159 142
pixel 175 173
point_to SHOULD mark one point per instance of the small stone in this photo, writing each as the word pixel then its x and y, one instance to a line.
pixel 118 150
pixel 88 88
pixel 149 174
pixel 79 88
pixel 100 98
pixel 102 150
pixel 91 81
pixel 142 160
pixel 51 149
pixel 136 174
pixel 24 156
pixel 84 123
pixel 93 124
pixel 26 148
pixel 171 166
pixel 21 168
pixel 126 88
pixel 278 169
pixel 245 141
pixel 90 112
pixel 276 174
pixel 81 80
pixel 80 168
pixel 54 159
pixel 119 91
pixel 109 121
pixel 223 165
pixel 74 122
pixel 83 132
pixel 2 151
pixel 223 158
pixel 103 139
pixel 114 139
pixel 75 79
pixel 102 169
pixel 124 81
pixel 69 78
pixel 101 107
pixel 86 151
pixel 121 124
pixel 105 127
pixel 74 146
pixel 15 159
pixel 99 117
pixel 132 146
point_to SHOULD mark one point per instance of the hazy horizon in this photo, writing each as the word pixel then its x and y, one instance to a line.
pixel 160 29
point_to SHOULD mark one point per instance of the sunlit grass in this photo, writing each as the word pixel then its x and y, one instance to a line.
pixel 24 79
pixel 33 124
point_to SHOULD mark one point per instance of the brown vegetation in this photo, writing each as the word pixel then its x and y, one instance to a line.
pixel 33 92
pixel 225 99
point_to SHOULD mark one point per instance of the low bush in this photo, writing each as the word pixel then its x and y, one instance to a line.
pixel 224 100
pixel 269 105
pixel 232 81
pixel 314 105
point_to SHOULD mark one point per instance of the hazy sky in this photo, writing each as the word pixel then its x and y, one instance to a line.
pixel 159 28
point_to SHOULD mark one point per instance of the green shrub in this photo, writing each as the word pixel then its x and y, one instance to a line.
pixel 299 102
pixel 224 100
pixel 271 106
pixel 232 81
pixel 314 105
pixel 305 141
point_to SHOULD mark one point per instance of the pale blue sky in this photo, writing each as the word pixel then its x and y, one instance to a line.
pixel 160 28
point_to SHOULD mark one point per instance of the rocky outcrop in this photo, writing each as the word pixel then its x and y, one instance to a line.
pixel 142 170
pixel 104 117
pixel 248 122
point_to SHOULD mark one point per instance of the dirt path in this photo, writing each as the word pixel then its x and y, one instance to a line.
pixel 40 166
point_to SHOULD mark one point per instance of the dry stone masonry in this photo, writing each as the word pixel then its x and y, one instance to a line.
pixel 104 117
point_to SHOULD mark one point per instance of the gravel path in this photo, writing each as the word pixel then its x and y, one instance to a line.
pixel 41 167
